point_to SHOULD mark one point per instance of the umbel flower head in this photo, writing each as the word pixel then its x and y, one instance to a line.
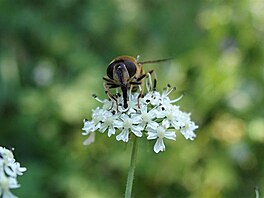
pixel 154 117
pixel 9 170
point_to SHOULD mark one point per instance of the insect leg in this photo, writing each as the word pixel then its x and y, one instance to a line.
pixel 151 74
pixel 141 94
pixel 110 95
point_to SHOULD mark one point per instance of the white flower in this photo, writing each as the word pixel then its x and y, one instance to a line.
pixel 185 125
pixel 156 99
pixel 99 115
pixel 129 124
pixel 88 127
pixel 91 126
pixel 147 116
pixel 107 103
pixel 97 123
pixel 187 130
pixel 165 100
pixel 159 132
pixel 152 98
pixel 108 123
pixel 133 101
pixel 155 114
pixel 132 104
pixel 171 113
pixel 9 170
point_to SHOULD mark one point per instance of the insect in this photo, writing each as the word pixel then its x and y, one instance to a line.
pixel 126 73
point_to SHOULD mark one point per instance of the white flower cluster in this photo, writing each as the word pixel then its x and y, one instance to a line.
pixel 154 116
pixel 9 170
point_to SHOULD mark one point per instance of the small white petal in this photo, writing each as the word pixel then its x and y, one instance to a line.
pixel 123 136
pixel 155 99
pixel 124 117
pixel 166 123
pixel 161 113
pixel 159 145
pixel 177 124
pixel 170 135
pixel 19 169
pixel 136 119
pixel 13 183
pixel 88 127
pixel 103 128
pixel 131 110
pixel 10 170
pixel 118 124
pixel 111 131
pixel 152 135
pixel 8 194
pixel 187 130
pixel 89 140
pixel 188 134
pixel 137 130
pixel 152 126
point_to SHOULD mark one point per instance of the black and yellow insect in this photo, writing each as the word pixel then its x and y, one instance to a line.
pixel 127 73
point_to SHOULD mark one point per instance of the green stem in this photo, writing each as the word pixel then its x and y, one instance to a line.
pixel 132 167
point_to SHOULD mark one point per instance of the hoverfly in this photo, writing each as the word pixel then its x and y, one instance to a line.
pixel 126 73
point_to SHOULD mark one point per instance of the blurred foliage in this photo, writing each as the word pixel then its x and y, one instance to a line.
pixel 53 55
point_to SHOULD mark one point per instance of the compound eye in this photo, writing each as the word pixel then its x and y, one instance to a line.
pixel 131 68
pixel 110 70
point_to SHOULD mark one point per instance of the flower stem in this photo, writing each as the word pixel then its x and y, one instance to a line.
pixel 132 167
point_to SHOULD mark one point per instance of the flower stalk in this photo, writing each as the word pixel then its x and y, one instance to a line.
pixel 131 171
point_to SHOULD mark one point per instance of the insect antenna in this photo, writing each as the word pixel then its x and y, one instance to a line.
pixel 154 61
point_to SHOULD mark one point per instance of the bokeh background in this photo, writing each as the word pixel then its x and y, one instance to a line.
pixel 53 55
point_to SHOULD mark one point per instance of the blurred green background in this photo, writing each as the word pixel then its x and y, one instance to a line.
pixel 53 55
